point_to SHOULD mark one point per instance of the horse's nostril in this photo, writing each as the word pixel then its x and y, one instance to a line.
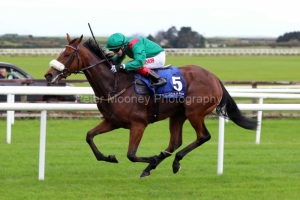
pixel 48 77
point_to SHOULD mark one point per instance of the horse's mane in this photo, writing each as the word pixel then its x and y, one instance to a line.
pixel 98 51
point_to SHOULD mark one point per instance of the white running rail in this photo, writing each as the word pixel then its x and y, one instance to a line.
pixel 171 52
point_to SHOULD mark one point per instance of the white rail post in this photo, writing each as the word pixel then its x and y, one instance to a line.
pixel 8 121
pixel 259 121
pixel 221 145
pixel 42 145
pixel 12 100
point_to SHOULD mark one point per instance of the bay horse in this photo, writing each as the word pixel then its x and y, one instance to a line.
pixel 201 85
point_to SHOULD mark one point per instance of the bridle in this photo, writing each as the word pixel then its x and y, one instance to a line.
pixel 65 72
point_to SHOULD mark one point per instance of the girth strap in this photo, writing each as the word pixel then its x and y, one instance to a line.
pixel 155 110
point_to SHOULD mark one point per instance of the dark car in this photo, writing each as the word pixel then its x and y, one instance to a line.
pixel 13 72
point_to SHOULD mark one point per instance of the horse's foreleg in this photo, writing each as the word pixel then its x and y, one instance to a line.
pixel 103 127
pixel 136 133
pixel 175 126
pixel 202 136
pixel 135 136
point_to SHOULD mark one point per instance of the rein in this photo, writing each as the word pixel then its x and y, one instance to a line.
pixel 91 66
pixel 83 69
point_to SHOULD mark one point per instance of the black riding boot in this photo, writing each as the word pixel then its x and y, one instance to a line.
pixel 156 79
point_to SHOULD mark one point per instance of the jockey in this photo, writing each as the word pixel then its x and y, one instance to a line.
pixel 146 55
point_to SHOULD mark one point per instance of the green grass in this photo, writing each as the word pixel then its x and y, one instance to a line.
pixel 266 171
pixel 227 68
pixel 243 68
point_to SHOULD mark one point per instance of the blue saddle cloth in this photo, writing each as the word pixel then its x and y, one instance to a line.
pixel 174 88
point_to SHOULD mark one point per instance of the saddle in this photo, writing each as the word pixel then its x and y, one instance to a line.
pixel 140 86
pixel 174 88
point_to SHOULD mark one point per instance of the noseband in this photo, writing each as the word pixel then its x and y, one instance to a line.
pixel 65 69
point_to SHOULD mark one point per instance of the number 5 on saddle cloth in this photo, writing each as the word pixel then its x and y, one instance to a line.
pixel 175 87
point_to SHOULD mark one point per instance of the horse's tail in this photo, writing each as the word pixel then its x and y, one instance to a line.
pixel 228 108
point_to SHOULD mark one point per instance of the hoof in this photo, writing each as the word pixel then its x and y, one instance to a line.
pixel 144 174
pixel 113 159
pixel 176 168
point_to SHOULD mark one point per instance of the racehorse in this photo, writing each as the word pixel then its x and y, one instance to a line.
pixel 90 59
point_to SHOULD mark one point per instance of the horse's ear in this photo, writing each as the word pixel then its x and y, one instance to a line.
pixel 80 38
pixel 68 38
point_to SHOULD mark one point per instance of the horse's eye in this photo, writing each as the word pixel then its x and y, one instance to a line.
pixel 66 55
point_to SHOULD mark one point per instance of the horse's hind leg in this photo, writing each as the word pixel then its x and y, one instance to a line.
pixel 103 127
pixel 175 126
pixel 202 136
